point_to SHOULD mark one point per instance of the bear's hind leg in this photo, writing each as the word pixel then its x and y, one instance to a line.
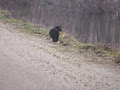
pixel 55 39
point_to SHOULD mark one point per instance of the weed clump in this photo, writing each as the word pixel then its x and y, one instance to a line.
pixel 117 57
pixel 5 14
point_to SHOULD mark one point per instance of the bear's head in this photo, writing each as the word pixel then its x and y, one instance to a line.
pixel 59 28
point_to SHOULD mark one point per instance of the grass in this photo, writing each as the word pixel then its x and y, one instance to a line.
pixel 81 45
pixel 4 12
pixel 35 29
pixel 12 21
pixel 26 26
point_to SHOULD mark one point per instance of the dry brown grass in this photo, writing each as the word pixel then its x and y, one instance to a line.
pixel 117 57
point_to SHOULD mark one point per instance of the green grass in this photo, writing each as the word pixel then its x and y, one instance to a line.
pixel 80 45
pixel 4 12
pixel 2 17
pixel 111 52
pixel 35 29
pixel 12 21
pixel 26 26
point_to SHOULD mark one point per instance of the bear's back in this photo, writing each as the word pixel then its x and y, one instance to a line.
pixel 53 32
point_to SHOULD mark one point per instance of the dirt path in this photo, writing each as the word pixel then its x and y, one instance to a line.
pixel 28 62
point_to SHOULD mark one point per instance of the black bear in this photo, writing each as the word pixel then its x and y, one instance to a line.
pixel 54 33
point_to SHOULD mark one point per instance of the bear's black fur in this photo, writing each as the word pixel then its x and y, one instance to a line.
pixel 54 33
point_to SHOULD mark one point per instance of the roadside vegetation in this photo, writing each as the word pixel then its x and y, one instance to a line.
pixel 100 50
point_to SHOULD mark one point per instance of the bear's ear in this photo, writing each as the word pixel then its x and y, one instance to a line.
pixel 60 27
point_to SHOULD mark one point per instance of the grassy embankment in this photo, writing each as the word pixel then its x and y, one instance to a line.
pixel 65 39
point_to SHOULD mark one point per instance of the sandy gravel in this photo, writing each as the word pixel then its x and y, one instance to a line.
pixel 30 62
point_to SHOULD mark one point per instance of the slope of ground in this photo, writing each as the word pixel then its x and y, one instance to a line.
pixel 30 62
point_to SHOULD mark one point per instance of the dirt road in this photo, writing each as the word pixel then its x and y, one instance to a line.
pixel 30 62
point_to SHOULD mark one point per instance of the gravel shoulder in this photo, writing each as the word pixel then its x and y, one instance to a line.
pixel 30 62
